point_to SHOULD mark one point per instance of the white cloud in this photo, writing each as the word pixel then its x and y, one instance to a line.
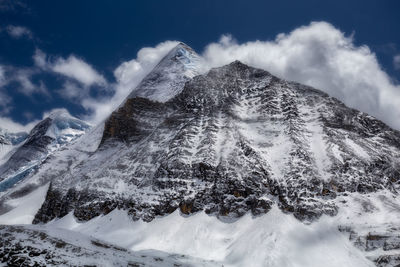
pixel 128 75
pixel 55 111
pixel 12 126
pixel 318 55
pixel 18 31
pixel 321 56
pixel 27 87
pixel 396 62
pixel 40 59
pixel 5 100
pixel 72 91
pixel 22 76
pixel 72 67
pixel 79 70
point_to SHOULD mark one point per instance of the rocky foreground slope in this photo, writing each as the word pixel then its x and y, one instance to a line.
pixel 233 141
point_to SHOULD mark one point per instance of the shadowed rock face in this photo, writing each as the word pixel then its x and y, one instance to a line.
pixel 236 139
pixel 134 120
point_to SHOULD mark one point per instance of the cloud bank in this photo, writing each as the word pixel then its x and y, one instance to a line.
pixel 22 76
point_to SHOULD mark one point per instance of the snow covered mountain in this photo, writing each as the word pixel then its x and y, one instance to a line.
pixel 234 167
pixel 58 129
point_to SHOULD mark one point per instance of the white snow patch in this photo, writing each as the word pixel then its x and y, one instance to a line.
pixel 24 208
pixel 319 148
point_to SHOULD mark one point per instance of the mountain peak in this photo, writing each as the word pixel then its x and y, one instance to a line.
pixel 181 52
pixel 167 79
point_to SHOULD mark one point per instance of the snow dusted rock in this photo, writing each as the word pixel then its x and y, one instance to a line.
pixel 236 139
pixel 49 135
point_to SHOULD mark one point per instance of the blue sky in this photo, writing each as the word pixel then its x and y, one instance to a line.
pixel 64 54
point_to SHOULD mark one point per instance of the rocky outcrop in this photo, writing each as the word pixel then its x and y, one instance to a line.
pixel 134 120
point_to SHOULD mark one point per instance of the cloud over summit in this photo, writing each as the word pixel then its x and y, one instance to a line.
pixel 318 54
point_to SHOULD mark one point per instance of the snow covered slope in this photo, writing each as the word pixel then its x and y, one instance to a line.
pixel 234 156
pixel 274 239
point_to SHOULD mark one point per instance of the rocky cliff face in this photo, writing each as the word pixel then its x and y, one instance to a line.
pixel 234 140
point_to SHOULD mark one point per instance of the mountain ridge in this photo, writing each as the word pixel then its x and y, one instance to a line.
pixel 231 95
pixel 230 145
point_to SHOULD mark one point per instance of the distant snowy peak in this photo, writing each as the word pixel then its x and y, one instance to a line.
pixel 49 135
pixel 58 128
pixel 167 79
pixel 64 127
